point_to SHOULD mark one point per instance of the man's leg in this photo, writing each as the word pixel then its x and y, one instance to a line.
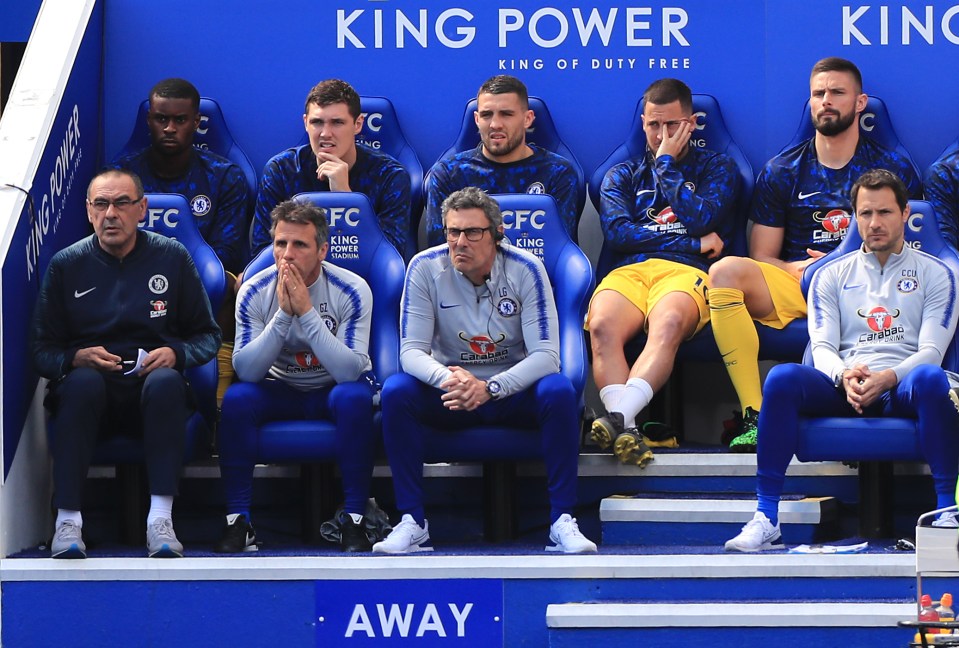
pixel 246 407
pixel 79 403
pixel 792 390
pixel 351 406
pixel 923 393
pixel 738 294
pixel 557 413
pixel 407 404
pixel 165 407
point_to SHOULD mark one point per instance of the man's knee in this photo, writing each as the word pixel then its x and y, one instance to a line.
pixel 673 322
pixel 84 384
pixel 930 379
pixel 165 384
pixel 783 383
pixel 398 390
pixel 610 325
pixel 731 272
pixel 351 397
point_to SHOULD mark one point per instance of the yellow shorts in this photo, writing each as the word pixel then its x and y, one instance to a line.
pixel 786 294
pixel 644 284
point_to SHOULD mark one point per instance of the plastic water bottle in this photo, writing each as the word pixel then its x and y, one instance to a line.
pixel 927 613
pixel 945 612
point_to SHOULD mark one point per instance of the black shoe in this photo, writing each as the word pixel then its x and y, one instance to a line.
pixel 605 429
pixel 353 536
pixel 238 536
pixel 630 448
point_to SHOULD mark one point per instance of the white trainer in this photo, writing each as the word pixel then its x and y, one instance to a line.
pixel 759 534
pixel 566 537
pixel 949 520
pixel 406 537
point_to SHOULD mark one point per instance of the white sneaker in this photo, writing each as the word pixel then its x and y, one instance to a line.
pixel 759 534
pixel 406 537
pixel 948 520
pixel 566 537
pixel 954 397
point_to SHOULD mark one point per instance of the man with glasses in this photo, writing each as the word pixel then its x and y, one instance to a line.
pixel 478 346
pixel 120 315
pixel 666 215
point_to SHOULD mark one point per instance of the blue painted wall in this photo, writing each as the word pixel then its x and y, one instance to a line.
pixel 259 60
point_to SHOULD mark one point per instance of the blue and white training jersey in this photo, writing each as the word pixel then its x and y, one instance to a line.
pixel 896 316
pixel 659 208
pixel 505 329
pixel 327 345
pixel 811 202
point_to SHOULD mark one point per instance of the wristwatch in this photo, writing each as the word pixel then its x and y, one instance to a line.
pixel 493 389
pixel 837 380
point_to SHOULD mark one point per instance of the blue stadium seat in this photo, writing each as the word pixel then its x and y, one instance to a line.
pixel 886 439
pixel 212 134
pixel 543 133
pixel 874 122
pixel 372 257
pixel 571 275
pixel 382 131
pixel 712 134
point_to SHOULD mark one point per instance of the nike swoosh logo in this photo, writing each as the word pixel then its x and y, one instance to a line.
pixel 803 196
pixel 77 294
pixel 644 191
pixel 852 286
pixel 445 306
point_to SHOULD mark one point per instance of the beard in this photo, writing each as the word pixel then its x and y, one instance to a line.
pixel 839 124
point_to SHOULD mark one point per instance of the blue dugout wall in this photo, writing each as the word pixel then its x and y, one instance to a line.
pixel 429 56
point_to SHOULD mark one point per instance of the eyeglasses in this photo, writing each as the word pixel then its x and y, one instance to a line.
pixel 102 204
pixel 472 233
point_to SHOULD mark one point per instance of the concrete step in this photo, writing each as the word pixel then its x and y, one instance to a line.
pixel 705 520
pixel 722 625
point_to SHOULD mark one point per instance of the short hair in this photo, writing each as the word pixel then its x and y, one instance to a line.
pixel 334 91
pixel 505 84
pixel 877 179
pixel 666 91
pixel 175 88
pixel 301 213
pixel 137 183
pixel 474 198
pixel 837 64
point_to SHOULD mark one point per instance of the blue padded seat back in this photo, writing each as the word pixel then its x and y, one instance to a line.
pixel 711 134
pixel 357 244
pixel 532 222
pixel 212 134
pixel 543 133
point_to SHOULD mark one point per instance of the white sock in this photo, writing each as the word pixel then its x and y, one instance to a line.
pixel 636 397
pixel 161 506
pixel 611 395
pixel 64 515
pixel 357 518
